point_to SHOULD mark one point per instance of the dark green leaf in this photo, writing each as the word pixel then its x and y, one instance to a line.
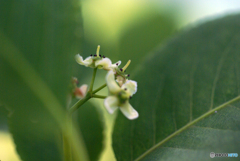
pixel 43 35
pixel 192 75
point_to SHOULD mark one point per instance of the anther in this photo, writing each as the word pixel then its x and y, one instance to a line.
pixel 125 89
pixel 128 75
pixel 116 63
pixel 130 97
pixel 100 55
pixel 121 69
pixel 103 56
pixel 91 55
pixel 95 55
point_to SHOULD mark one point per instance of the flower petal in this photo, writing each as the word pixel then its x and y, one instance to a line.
pixel 104 63
pixel 83 88
pixel 120 80
pixel 87 62
pixel 79 59
pixel 118 63
pixel 114 66
pixel 131 87
pixel 111 83
pixel 129 111
pixel 111 103
pixel 81 92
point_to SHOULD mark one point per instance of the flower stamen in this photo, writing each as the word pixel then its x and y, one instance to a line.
pixel 125 67
pixel 97 52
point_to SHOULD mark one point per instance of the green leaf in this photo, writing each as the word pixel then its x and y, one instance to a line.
pixel 39 40
pixel 91 123
pixel 179 89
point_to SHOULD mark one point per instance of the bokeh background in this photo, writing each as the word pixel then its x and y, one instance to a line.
pixel 129 29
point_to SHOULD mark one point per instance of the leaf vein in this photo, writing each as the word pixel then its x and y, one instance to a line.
pixel 216 128
pixel 188 125
pixel 221 61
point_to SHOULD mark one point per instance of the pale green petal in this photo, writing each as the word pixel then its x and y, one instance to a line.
pixel 104 63
pixel 111 103
pixel 114 66
pixel 87 62
pixel 119 63
pixel 120 80
pixel 128 111
pixel 111 83
pixel 130 87
pixel 79 59
pixel 81 92
pixel 83 88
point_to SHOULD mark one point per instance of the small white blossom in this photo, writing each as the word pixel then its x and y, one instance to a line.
pixel 119 96
pixel 96 61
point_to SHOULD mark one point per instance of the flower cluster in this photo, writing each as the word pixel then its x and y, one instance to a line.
pixel 121 89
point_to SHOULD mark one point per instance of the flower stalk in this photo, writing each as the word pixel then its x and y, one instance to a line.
pixel 79 103
pixel 101 87
pixel 93 78
pixel 98 96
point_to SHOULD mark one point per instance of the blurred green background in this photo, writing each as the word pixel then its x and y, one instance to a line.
pixel 128 29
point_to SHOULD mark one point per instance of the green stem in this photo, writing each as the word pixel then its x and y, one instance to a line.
pixel 66 144
pixel 93 77
pixel 95 91
pixel 79 103
pixel 98 96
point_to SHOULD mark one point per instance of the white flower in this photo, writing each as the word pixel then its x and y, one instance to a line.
pixel 119 96
pixel 96 61
pixel 106 64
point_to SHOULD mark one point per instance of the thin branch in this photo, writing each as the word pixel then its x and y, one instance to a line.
pixel 93 78
pixel 98 96
pixel 101 87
